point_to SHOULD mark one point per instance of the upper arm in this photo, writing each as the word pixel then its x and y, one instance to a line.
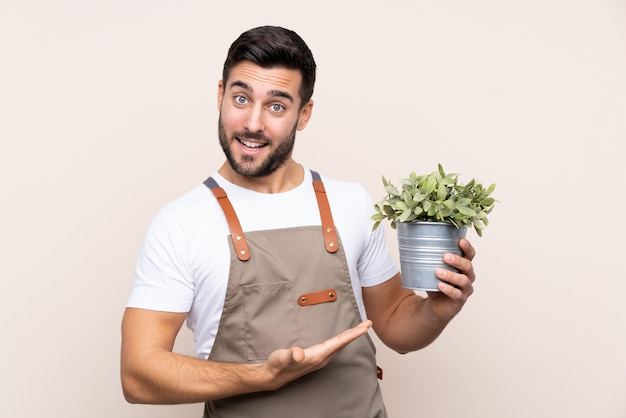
pixel 145 330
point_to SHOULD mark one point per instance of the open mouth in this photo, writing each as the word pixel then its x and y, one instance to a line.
pixel 252 145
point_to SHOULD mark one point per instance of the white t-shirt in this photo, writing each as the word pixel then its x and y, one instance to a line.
pixel 184 261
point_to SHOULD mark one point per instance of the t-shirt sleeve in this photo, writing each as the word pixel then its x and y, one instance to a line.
pixel 162 278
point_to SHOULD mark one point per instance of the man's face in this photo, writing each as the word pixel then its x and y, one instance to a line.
pixel 259 117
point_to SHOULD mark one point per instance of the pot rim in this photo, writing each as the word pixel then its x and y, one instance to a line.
pixel 431 223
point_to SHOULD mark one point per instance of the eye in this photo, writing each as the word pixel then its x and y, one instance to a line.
pixel 277 107
pixel 239 99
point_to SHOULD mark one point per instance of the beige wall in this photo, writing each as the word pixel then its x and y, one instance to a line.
pixel 107 111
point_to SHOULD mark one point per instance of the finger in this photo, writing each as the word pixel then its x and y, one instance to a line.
pixel 459 281
pixel 454 285
pixel 286 357
pixel 450 291
pixel 350 335
pixel 468 250
pixel 461 263
pixel 336 343
pixel 297 354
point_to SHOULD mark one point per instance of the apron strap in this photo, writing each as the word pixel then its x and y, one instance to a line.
pixel 328 226
pixel 236 233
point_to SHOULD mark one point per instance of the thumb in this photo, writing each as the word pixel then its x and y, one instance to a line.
pixel 287 356
pixel 297 354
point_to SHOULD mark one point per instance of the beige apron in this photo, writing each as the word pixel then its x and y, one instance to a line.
pixel 290 287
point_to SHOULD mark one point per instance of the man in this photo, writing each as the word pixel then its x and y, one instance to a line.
pixel 275 268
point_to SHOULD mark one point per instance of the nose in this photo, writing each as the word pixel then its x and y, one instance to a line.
pixel 254 119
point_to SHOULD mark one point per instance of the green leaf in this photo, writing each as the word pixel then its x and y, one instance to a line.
pixel 405 215
pixel 446 212
pixel 402 206
pixel 442 192
pixel 429 185
pixel 466 211
pixel 389 211
pixel 377 217
pixel 391 189
pixel 448 180
pixel 440 169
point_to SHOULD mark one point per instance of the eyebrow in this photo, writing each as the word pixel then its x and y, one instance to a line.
pixel 271 93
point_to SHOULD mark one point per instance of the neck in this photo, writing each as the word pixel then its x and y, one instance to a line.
pixel 287 177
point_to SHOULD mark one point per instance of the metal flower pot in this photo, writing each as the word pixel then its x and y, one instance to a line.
pixel 421 246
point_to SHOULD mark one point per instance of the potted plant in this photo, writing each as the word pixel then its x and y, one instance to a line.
pixel 431 213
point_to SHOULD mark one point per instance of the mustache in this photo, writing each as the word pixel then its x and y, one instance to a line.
pixel 251 135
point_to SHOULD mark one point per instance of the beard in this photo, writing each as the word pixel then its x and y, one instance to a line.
pixel 252 166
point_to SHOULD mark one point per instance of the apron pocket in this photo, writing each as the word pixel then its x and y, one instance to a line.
pixel 269 318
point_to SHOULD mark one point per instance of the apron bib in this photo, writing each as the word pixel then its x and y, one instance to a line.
pixel 290 287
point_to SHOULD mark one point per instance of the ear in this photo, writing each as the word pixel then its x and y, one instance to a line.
pixel 220 94
pixel 305 115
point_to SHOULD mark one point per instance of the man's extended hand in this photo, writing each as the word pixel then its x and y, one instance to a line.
pixel 285 365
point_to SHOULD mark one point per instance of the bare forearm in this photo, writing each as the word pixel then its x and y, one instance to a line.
pixel 406 321
pixel 152 373
pixel 163 377
pixel 411 326
pixel 403 320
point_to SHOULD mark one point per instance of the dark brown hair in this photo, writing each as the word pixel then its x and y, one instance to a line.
pixel 273 46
